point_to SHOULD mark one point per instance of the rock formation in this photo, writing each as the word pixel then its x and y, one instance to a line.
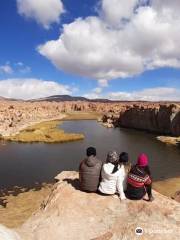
pixel 160 119
pixel 70 214
pixel 155 117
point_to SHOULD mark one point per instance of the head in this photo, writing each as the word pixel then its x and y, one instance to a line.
pixel 142 160
pixel 112 157
pixel 124 158
pixel 91 151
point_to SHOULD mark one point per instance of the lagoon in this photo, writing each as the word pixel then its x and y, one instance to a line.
pixel 28 165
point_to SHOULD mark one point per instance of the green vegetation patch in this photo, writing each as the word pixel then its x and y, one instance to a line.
pixel 47 132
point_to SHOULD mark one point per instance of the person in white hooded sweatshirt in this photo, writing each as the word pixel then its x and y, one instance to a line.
pixel 114 174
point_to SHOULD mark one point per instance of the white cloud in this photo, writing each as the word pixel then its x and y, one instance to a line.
pixel 115 10
pixel 94 94
pixel 18 67
pixel 93 48
pixel 91 95
pixel 22 68
pixel 148 94
pixel 20 64
pixel 45 12
pixel 6 69
pixel 103 83
pixel 31 88
pixel 151 94
pixel 97 90
pixel 25 69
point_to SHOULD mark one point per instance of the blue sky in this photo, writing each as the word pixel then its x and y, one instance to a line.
pixel 93 55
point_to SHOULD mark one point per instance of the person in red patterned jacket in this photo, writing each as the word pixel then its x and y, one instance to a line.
pixel 139 180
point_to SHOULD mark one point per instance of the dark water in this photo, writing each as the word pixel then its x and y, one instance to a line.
pixel 25 165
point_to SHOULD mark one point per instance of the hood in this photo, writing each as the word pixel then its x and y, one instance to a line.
pixel 91 161
pixel 108 168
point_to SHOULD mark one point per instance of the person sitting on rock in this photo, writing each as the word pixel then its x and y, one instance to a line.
pixel 139 180
pixel 89 171
pixel 114 174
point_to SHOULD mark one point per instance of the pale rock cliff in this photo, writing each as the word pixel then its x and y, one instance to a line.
pixel 160 119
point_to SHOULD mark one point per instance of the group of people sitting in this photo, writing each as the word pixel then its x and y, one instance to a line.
pixel 116 175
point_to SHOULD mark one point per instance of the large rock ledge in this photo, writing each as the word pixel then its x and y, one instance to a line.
pixel 71 214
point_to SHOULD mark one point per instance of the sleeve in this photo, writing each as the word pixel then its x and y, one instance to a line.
pixel 148 186
pixel 148 180
pixel 120 187
pixel 80 165
pixel 80 174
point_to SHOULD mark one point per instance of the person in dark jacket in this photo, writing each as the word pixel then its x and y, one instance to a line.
pixel 89 171
pixel 139 180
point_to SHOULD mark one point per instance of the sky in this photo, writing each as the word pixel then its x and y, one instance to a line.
pixel 116 49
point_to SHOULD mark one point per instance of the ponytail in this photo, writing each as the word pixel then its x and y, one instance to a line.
pixel 116 167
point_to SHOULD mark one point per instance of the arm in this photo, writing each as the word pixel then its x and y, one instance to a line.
pixel 148 186
pixel 120 187
pixel 80 165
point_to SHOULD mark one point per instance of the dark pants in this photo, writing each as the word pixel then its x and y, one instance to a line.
pixel 134 193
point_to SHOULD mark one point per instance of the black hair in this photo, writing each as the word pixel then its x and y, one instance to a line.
pixel 123 160
pixel 90 151
pixel 147 170
pixel 115 169
pixel 124 157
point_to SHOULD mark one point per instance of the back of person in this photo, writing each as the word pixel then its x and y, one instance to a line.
pixel 139 180
pixel 113 176
pixel 89 171
pixel 108 184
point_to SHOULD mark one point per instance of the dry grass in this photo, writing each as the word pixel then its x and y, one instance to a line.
pixel 19 208
pixel 47 132
pixel 167 187
pixel 83 116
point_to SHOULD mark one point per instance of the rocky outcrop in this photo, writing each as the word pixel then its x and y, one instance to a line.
pixel 70 214
pixel 157 118
pixel 160 119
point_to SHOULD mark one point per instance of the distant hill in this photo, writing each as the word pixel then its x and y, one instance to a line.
pixel 8 99
pixel 63 98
